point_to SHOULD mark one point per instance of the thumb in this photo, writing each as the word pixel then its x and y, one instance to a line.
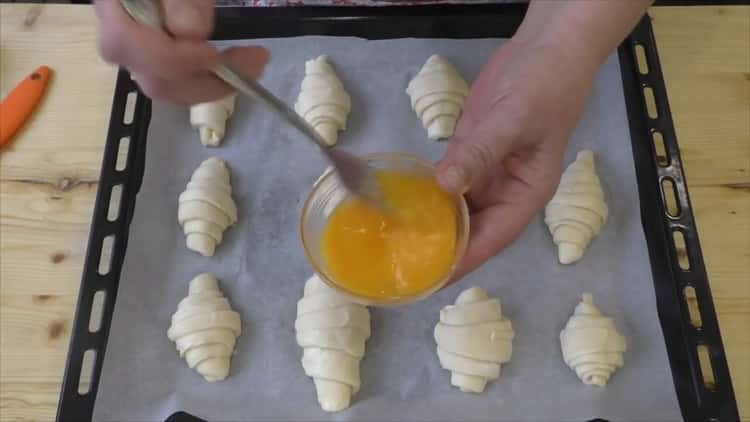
pixel 192 19
pixel 474 153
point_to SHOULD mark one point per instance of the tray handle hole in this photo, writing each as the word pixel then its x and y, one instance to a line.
pixel 669 193
pixel 122 154
pixel 127 117
pixel 662 156
pixel 648 96
pixel 87 370
pixel 692 304
pixel 707 370
pixel 95 318
pixel 680 247
pixel 105 259
pixel 114 203
pixel 640 58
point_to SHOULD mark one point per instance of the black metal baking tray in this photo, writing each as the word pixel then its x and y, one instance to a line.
pixel 655 151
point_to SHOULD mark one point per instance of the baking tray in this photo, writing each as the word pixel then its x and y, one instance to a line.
pixel 691 334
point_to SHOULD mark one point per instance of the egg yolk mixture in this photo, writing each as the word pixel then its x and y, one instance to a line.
pixel 393 254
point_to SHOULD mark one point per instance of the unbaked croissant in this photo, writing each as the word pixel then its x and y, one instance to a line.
pixel 211 119
pixel 206 208
pixel 577 211
pixel 437 95
pixel 332 330
pixel 323 101
pixel 473 340
pixel 205 328
pixel 591 345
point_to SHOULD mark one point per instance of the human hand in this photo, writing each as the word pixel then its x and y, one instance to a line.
pixel 175 64
pixel 506 155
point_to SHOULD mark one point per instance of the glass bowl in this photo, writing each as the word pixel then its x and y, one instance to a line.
pixel 328 192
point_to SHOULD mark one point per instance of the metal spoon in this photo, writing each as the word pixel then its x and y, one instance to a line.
pixel 355 174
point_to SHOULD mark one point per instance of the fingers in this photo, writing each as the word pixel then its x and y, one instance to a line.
pixel 196 89
pixel 492 229
pixel 511 201
pixel 144 49
pixel 475 152
pixel 203 87
pixel 178 68
pixel 248 61
pixel 189 19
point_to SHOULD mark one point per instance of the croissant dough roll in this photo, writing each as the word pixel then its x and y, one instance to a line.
pixel 205 328
pixel 577 211
pixel 437 95
pixel 332 330
pixel 473 340
pixel 591 344
pixel 322 100
pixel 211 119
pixel 206 208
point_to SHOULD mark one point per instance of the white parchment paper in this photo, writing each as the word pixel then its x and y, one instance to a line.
pixel 262 267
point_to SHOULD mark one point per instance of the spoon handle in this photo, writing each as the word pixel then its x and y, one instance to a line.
pixel 255 90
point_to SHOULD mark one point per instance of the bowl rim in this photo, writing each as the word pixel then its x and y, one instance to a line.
pixel 461 244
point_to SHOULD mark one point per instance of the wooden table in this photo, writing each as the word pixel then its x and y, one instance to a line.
pixel 48 179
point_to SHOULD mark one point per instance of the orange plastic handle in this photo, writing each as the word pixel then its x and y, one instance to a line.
pixel 21 102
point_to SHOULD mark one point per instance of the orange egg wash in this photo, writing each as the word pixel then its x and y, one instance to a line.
pixel 395 254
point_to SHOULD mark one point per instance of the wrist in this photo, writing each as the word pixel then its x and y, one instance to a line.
pixel 585 32
pixel 563 52
pixel 572 45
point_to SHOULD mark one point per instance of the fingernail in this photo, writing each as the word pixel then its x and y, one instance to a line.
pixel 453 179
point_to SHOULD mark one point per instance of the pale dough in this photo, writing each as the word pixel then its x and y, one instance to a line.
pixel 211 119
pixel 577 211
pixel 205 328
pixel 437 95
pixel 206 208
pixel 591 345
pixel 322 100
pixel 332 330
pixel 473 340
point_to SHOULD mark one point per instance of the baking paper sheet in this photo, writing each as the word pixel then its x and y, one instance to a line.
pixel 262 267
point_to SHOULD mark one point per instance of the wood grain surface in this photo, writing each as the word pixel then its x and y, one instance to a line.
pixel 48 179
